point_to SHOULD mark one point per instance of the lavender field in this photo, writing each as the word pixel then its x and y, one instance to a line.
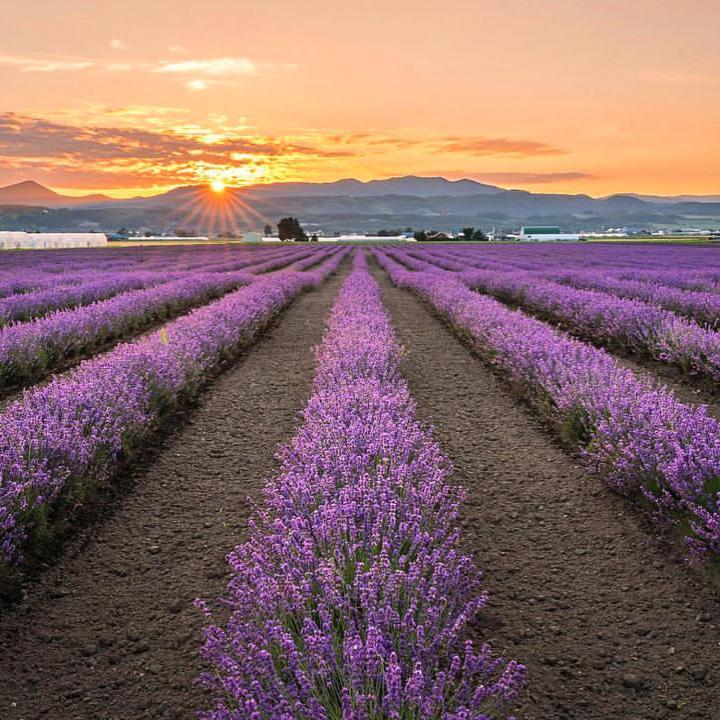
pixel 413 482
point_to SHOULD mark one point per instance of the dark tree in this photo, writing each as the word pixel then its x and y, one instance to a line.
pixel 289 228
pixel 480 235
pixel 420 235
pixel 314 237
pixel 468 233
pixel 268 230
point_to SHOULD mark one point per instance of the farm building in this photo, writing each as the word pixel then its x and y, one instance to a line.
pixel 541 233
pixel 41 241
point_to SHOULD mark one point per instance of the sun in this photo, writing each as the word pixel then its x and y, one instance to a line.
pixel 217 186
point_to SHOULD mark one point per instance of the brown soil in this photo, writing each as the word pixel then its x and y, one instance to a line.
pixel 110 631
pixel 610 625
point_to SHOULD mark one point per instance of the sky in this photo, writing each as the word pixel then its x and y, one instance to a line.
pixel 134 97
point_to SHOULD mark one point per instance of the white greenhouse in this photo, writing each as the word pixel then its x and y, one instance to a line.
pixel 44 241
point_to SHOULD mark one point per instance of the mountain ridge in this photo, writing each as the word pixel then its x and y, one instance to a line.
pixel 30 192
pixel 349 205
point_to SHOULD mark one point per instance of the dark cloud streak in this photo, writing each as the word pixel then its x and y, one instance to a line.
pixel 497 146
pixel 533 178
pixel 26 137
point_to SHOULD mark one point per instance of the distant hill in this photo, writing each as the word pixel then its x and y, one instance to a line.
pixel 349 205
pixel 31 193
pixel 678 198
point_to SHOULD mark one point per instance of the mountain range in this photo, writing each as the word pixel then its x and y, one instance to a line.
pixel 349 205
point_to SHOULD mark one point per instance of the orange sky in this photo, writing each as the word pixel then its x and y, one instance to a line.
pixel 131 96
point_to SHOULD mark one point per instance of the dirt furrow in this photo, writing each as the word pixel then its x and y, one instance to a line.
pixel 110 632
pixel 609 624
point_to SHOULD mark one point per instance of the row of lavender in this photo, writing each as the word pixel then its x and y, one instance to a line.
pixel 682 266
pixel 702 306
pixel 662 267
pixel 351 597
pixel 29 351
pixel 638 435
pixel 61 262
pixel 60 440
pixel 40 297
pixel 48 270
pixel 643 328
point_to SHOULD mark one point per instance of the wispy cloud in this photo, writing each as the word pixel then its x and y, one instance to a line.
pixel 497 146
pixel 532 178
pixel 670 77
pixel 27 64
pixel 196 74
pixel 155 117
pixel 57 66
pixel 217 67
pixel 468 145
pixel 117 44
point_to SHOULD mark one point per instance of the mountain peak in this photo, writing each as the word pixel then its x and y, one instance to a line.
pixel 30 192
pixel 30 188
pixel 432 186
pixel 27 184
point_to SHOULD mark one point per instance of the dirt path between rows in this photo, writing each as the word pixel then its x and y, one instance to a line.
pixel 609 625
pixel 111 632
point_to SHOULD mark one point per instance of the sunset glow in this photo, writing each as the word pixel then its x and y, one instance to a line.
pixel 217 186
pixel 609 96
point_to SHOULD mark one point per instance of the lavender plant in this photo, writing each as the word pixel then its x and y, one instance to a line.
pixel 350 598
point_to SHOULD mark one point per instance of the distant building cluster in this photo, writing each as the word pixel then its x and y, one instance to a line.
pixel 546 233
pixel 10 240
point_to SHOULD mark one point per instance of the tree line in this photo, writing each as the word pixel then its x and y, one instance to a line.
pixel 289 228
pixel 468 234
